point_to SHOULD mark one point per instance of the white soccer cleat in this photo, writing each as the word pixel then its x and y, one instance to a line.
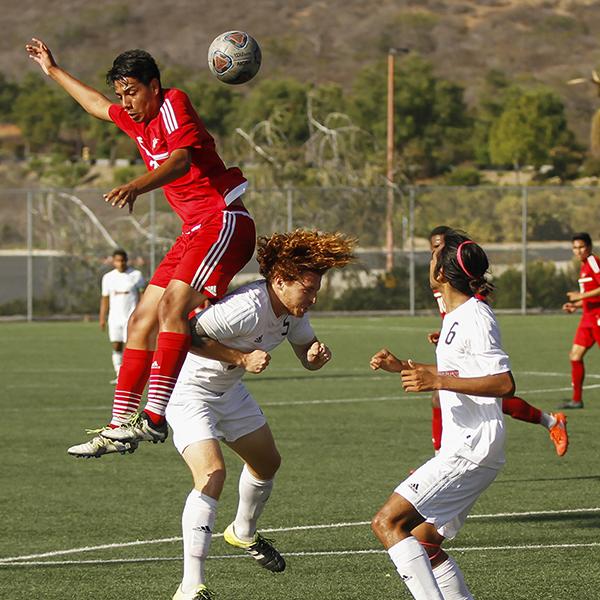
pixel 99 446
pixel 200 593
pixel 139 428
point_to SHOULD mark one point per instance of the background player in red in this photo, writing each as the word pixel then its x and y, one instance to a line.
pixel 515 407
pixel 588 298
pixel 217 240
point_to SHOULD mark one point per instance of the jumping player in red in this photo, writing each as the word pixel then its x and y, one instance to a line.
pixel 587 298
pixel 515 407
pixel 217 240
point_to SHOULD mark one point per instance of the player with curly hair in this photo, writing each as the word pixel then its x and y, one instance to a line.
pixel 211 404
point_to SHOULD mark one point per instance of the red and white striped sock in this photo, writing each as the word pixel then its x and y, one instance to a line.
pixel 131 382
pixel 171 350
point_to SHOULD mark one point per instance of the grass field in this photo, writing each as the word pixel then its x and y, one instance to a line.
pixel 110 528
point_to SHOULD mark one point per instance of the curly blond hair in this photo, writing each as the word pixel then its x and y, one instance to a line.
pixel 290 254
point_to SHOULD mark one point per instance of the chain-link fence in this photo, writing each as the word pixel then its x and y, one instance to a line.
pixel 55 244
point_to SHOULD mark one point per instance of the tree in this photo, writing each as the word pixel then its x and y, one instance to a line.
pixel 531 125
pixel 432 126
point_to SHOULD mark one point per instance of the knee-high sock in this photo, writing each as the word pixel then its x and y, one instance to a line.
pixel 131 382
pixel 254 493
pixel 451 581
pixel 197 523
pixel 517 408
pixel 413 566
pixel 436 427
pixel 577 376
pixel 117 360
pixel 171 350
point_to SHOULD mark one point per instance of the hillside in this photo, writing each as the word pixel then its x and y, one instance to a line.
pixel 535 41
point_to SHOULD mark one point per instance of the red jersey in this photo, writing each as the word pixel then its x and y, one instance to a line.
pixel 589 279
pixel 208 186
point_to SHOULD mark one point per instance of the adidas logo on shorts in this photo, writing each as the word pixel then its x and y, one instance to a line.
pixel 414 487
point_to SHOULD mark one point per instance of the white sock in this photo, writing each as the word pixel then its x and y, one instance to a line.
pixel 548 420
pixel 253 495
pixel 197 523
pixel 451 581
pixel 414 567
pixel 117 360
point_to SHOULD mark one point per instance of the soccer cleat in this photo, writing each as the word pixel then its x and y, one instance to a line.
pixel 139 428
pixel 559 435
pixel 99 446
pixel 571 404
pixel 200 593
pixel 260 549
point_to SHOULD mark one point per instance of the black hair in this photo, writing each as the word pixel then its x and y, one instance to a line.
pixel 465 264
pixel 133 63
pixel 120 252
pixel 439 230
pixel 584 237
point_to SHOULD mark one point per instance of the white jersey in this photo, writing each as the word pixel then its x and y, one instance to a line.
pixel 469 346
pixel 123 290
pixel 243 320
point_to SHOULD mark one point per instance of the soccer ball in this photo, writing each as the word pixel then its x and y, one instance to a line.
pixel 234 57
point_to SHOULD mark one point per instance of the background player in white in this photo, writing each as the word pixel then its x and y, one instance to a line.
pixel 121 289
pixel 210 403
pixel 472 375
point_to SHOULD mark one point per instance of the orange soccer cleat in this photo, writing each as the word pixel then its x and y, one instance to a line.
pixel 559 435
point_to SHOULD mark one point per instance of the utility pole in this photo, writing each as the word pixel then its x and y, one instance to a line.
pixel 389 219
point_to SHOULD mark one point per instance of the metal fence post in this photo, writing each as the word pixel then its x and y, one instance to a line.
pixel 29 256
pixel 411 254
pixel 152 231
pixel 290 206
pixel 524 250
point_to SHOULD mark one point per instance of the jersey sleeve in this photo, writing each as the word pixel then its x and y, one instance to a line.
pixel 594 267
pixel 182 125
pixel 301 332
pixel 121 119
pixel 226 320
pixel 105 285
pixel 487 349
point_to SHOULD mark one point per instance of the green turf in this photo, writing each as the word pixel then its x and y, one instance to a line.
pixel 341 459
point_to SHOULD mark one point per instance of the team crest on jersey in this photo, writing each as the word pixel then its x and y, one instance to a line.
pixel 221 62
pixel 238 38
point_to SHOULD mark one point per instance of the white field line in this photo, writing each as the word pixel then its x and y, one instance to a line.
pixel 399 397
pixel 503 515
pixel 454 549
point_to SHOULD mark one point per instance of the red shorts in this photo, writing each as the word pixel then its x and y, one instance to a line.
pixel 588 330
pixel 208 257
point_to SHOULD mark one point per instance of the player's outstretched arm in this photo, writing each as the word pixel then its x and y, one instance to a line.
pixel 91 100
pixel 313 355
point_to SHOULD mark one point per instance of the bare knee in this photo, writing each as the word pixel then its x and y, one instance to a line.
pixel 211 481
pixel 386 526
pixel 268 468
pixel 575 354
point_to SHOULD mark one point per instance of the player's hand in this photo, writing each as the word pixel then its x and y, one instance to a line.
pixel 318 355
pixel 40 53
pixel 123 195
pixel 418 379
pixel 385 360
pixel 256 361
pixel 573 296
pixel 569 307
pixel 433 337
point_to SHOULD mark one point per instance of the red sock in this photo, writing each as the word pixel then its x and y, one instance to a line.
pixel 436 427
pixel 577 375
pixel 517 408
pixel 171 350
pixel 133 375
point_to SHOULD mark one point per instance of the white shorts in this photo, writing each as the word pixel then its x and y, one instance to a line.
pixel 444 489
pixel 195 414
pixel 117 330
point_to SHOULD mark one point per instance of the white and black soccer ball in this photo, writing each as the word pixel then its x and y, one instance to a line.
pixel 234 57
